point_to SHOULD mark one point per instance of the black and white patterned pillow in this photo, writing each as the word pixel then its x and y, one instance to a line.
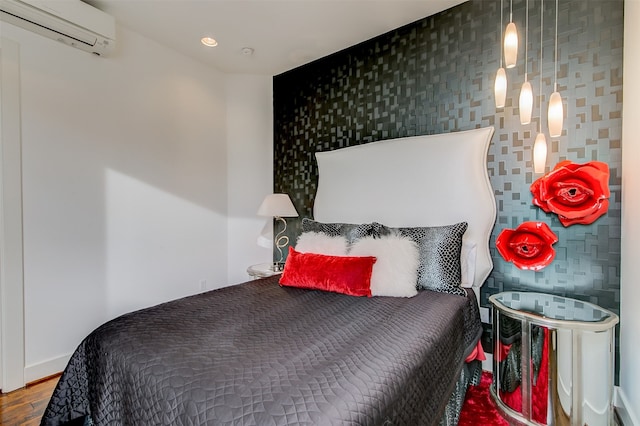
pixel 352 232
pixel 439 248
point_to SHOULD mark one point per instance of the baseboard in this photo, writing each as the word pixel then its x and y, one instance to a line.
pixel 50 367
pixel 624 408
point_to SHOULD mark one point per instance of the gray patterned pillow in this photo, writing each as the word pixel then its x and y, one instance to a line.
pixel 352 232
pixel 439 249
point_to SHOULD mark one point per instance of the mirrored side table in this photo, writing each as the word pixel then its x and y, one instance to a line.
pixel 262 270
pixel 553 360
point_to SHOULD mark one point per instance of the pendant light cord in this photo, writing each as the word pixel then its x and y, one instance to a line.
pixel 511 11
pixel 541 34
pixel 526 40
pixel 555 49
pixel 501 36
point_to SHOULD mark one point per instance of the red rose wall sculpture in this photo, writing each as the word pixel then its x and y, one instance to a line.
pixel 577 193
pixel 529 246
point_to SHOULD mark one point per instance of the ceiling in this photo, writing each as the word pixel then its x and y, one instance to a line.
pixel 282 33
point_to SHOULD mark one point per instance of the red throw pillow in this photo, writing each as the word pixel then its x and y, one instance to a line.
pixel 341 274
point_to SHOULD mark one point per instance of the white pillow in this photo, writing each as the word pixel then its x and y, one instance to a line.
pixel 316 242
pixel 468 264
pixel 395 272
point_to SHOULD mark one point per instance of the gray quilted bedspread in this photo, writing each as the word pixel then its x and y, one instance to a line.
pixel 259 354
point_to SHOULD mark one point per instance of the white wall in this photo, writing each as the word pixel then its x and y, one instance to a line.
pixel 630 285
pixel 124 185
pixel 250 165
pixel 11 250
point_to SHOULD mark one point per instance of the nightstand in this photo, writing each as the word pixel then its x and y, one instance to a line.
pixel 554 352
pixel 262 270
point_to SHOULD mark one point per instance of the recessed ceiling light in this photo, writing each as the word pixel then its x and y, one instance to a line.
pixel 209 42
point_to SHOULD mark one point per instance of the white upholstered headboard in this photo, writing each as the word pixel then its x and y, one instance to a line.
pixel 416 181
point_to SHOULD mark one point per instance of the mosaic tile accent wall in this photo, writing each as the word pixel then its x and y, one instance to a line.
pixel 436 75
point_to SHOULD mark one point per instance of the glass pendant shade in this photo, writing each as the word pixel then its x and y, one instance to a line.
pixel 526 103
pixel 555 115
pixel 539 153
pixel 510 45
pixel 500 88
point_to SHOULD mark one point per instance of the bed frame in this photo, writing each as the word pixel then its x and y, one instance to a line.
pixel 405 182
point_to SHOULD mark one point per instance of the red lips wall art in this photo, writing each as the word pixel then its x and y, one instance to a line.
pixel 577 193
pixel 529 246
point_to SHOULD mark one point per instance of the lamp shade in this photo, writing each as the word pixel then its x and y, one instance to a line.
pixel 510 45
pixel 277 205
pixel 555 115
pixel 500 88
pixel 526 103
pixel 539 153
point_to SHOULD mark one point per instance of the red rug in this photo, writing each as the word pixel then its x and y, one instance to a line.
pixel 478 408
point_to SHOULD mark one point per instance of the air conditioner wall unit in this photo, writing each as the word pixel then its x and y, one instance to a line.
pixel 71 22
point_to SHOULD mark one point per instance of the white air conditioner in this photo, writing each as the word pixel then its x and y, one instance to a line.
pixel 71 22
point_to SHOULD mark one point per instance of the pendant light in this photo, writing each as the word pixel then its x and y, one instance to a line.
pixel 555 113
pixel 510 41
pixel 526 92
pixel 539 153
pixel 540 144
pixel 500 85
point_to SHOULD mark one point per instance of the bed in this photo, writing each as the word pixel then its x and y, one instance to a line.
pixel 268 354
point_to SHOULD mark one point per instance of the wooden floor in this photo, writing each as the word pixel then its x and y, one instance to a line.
pixel 25 406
